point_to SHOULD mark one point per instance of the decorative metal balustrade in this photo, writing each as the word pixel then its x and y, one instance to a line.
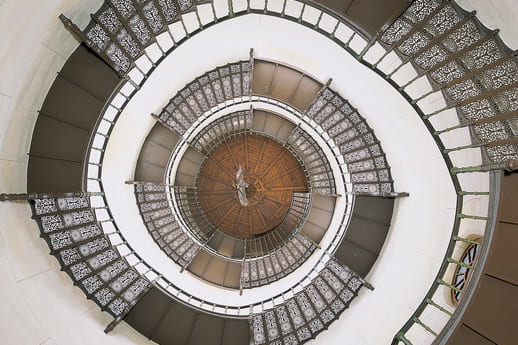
pixel 456 60
pixel 356 141
pixel 264 258
pixel 194 218
pixel 261 268
pixel 315 161
pixel 221 130
pixel 309 311
pixel 162 225
pixel 187 298
pixel 337 119
pixel 182 242
pixel 469 64
pixel 476 74
pixel 121 30
pixel 75 237
pixel 277 264
pixel 217 86
pixel 190 212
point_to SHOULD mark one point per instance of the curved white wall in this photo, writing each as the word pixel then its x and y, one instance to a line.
pixel 39 304
pixel 421 228
pixel 500 14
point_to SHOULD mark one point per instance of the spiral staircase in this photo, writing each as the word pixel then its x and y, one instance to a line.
pixel 320 207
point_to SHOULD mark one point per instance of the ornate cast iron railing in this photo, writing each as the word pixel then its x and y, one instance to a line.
pixel 215 87
pixel 310 311
pixel 356 141
pixel 162 224
pixel 95 183
pixel 476 74
pixel 196 223
pixel 75 237
pixel 463 60
pixel 335 117
pixel 222 130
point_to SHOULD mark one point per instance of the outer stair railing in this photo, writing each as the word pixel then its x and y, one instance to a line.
pixel 435 40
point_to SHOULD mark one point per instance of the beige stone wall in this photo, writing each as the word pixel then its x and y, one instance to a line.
pixel 39 303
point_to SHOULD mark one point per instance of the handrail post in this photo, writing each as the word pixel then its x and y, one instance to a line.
pixel 115 322
pixel 401 337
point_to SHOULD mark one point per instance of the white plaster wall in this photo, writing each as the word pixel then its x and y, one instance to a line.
pixel 39 303
pixel 422 223
pixel 497 14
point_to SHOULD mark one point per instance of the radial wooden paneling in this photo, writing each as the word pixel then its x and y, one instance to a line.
pixel 272 173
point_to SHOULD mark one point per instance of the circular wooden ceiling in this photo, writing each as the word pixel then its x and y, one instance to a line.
pixel 269 175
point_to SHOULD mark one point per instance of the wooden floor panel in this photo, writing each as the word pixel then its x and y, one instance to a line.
pixel 272 173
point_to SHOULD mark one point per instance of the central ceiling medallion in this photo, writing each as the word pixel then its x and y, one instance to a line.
pixel 245 185
pixel 241 187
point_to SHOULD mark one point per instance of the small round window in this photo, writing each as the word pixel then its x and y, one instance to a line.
pixel 463 272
